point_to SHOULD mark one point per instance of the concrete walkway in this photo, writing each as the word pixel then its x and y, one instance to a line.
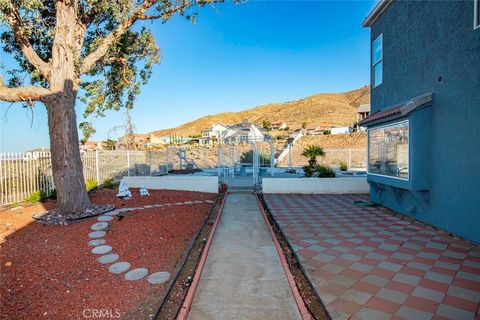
pixel 243 277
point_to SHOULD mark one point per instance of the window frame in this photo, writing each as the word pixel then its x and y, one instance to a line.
pixel 476 14
pixel 407 121
pixel 380 60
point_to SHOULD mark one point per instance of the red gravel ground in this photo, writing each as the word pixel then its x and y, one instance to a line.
pixel 48 272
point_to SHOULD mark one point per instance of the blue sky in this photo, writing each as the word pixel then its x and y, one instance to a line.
pixel 234 58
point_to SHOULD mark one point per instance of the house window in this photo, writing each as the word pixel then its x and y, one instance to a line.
pixel 388 150
pixel 377 60
pixel 476 14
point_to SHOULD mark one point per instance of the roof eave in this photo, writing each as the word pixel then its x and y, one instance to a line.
pixel 376 12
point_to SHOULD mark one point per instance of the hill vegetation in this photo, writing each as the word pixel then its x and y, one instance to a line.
pixel 324 109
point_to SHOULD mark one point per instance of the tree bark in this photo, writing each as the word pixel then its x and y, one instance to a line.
pixel 72 197
pixel 67 168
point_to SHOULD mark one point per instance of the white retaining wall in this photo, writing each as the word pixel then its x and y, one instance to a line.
pixel 173 182
pixel 315 185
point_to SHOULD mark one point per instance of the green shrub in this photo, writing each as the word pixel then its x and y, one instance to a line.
pixel 91 184
pixel 308 171
pixel 247 157
pixel 343 166
pixel 324 172
pixel 37 196
pixel 110 183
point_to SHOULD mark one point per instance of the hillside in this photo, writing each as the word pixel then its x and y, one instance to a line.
pixel 324 109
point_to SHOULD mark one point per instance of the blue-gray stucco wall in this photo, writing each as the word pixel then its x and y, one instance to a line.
pixel 423 42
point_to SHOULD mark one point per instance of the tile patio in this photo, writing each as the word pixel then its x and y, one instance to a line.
pixel 367 263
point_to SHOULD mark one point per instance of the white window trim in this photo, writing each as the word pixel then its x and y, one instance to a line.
pixel 408 151
pixel 476 18
pixel 379 60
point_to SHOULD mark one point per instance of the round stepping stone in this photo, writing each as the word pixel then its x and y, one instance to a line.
pixel 119 267
pixel 108 258
pixel 113 213
pixel 101 249
pixel 158 277
pixel 105 218
pixel 99 226
pixel 136 274
pixel 209 201
pixel 96 242
pixel 97 234
pixel 188 202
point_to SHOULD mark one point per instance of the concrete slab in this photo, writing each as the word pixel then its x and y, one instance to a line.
pixel 243 277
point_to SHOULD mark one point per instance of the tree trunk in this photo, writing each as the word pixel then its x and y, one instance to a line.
pixel 67 166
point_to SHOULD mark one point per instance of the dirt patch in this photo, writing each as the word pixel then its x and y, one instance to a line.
pixel 49 272
pixel 309 295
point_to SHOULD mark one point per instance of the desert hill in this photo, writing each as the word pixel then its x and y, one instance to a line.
pixel 324 109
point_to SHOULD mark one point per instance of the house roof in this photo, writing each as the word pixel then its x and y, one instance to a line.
pixel 403 108
pixel 363 108
pixel 381 6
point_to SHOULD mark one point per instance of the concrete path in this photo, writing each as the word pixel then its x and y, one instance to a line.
pixel 243 277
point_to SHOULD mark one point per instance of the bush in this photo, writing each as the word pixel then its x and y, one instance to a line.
pixel 91 184
pixel 247 157
pixel 343 166
pixel 110 183
pixel 308 171
pixel 324 172
pixel 37 196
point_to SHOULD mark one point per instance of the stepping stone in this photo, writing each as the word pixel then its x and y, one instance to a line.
pixel 198 201
pixel 99 226
pixel 146 207
pixel 136 274
pixel 108 258
pixel 101 249
pixel 119 267
pixel 178 203
pixel 96 242
pixel 167 204
pixel 158 277
pixel 188 202
pixel 97 234
pixel 105 218
pixel 209 201
pixel 113 213
pixel 158 205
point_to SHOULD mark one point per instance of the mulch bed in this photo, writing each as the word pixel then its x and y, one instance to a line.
pixel 48 272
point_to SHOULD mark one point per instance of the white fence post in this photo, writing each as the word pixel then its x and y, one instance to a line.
pixel 97 166
pixel 128 163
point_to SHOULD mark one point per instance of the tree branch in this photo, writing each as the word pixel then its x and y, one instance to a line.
pixel 105 44
pixel 16 25
pixel 23 94
pixel 139 14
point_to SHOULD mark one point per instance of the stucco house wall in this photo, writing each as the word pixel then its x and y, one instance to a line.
pixel 431 46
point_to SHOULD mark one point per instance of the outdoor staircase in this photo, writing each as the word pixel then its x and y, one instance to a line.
pixel 284 153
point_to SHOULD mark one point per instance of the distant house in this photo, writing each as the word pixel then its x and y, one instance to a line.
pixel 279 126
pixel 423 136
pixel 159 140
pixel 341 130
pixel 134 140
pixel 90 145
pixel 245 132
pixel 316 130
pixel 212 134
pixel 363 111
pixel 37 153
